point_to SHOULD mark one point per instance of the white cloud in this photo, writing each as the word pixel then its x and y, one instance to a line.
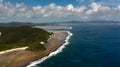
pixel 95 7
pixel 37 7
pixel 118 6
pixel 70 7
pixel 80 1
pixel 7 10
pixel 55 11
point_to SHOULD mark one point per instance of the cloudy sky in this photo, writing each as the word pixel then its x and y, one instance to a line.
pixel 59 10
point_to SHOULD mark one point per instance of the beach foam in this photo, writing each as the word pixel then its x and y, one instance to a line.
pixel 52 53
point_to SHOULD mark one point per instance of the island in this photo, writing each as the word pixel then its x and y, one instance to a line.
pixel 23 44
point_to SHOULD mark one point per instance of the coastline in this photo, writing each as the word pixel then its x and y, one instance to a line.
pixel 58 50
pixel 23 58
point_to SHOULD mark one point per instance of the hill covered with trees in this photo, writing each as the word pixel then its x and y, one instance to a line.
pixel 14 37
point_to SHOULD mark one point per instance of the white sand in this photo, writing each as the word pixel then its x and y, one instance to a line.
pixel 11 50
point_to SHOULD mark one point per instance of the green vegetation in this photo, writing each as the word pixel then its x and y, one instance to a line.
pixel 14 37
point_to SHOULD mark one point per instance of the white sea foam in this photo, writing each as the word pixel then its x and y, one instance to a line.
pixel 52 53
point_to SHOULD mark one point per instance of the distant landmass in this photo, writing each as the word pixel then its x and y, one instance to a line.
pixel 51 23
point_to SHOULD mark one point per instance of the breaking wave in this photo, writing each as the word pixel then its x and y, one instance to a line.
pixel 34 63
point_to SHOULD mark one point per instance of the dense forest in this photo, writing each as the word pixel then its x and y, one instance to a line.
pixel 14 37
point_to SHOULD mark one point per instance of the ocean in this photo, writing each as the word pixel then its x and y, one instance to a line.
pixel 91 45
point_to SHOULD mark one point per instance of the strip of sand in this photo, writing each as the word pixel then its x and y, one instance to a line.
pixel 11 50
pixel 21 58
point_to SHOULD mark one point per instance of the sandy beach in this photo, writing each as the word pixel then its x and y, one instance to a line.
pixel 22 58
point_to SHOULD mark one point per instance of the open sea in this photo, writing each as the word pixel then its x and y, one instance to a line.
pixel 91 45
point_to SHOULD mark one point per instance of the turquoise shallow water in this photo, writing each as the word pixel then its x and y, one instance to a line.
pixel 92 45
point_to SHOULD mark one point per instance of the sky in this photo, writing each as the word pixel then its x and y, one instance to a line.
pixel 59 10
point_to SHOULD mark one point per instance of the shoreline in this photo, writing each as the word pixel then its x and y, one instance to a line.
pixel 24 58
pixel 55 52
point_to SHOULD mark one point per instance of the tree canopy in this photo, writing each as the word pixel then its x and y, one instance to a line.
pixel 12 37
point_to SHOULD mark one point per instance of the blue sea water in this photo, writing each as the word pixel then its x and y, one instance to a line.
pixel 92 45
